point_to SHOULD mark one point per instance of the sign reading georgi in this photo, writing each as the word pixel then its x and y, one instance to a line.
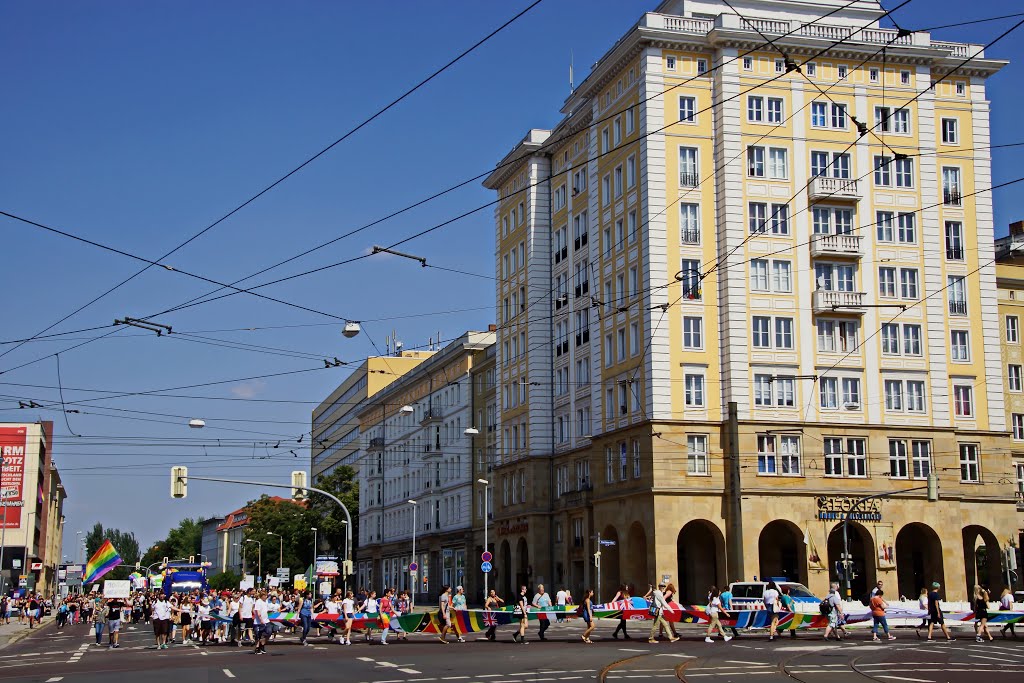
pixel 12 477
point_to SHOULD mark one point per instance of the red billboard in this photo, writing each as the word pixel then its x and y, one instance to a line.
pixel 12 476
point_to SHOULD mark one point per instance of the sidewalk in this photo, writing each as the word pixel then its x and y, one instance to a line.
pixel 13 632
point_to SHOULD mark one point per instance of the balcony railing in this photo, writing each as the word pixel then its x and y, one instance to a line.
pixel 958 307
pixel 821 187
pixel 955 253
pixel 952 197
pixel 831 301
pixel 690 236
pixel 431 414
pixel 375 444
pixel 837 245
pixel 689 179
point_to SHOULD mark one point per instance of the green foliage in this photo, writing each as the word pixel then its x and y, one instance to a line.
pixel 292 521
pixel 342 483
pixel 124 543
pixel 183 541
pixel 225 581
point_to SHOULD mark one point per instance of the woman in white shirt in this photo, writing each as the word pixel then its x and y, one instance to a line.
pixel 371 606
pixel 714 610
pixel 1006 605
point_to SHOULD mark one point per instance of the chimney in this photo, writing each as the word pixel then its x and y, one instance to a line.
pixel 1017 229
pixel 492 328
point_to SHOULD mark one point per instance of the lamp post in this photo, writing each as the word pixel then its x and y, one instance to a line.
pixel 312 565
pixel 412 595
pixel 259 557
pixel 487 486
pixel 280 558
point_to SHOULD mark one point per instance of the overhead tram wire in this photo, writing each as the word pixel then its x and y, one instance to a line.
pixel 357 258
pixel 294 170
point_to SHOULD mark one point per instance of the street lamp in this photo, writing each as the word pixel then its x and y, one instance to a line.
pixel 412 595
pixel 259 557
pixel 280 559
pixel 487 485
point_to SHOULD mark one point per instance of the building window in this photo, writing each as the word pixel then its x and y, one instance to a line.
pixel 775 110
pixel 778 391
pixel 952 190
pixel 689 272
pixel 1012 330
pixel 688 173
pixel 755 108
pixel 1014 377
pixel 697 454
pixel 950 132
pixel 963 400
pixel 954 241
pixel 623 462
pixel 883 174
pixel 1017 422
pixel 759 275
pixel 838 335
pixel 693 332
pixel 670 63
pixel 828 390
pixel 812 69
pixel 956 294
pixel 919 464
pixel 970 465
pixel 755 162
pixel 748 63
pixel 904 172
pixel 784 461
pixel 694 390
pixel 609 473
pixel 702 66
pixel 851 393
pixel 845 457
pixel 687 109
pixel 904 78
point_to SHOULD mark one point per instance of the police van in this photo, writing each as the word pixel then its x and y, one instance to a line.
pixel 747 595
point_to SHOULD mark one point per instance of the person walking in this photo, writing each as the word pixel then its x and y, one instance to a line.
pixel 261 623
pixel 835 612
pixel 587 613
pixel 542 603
pixel 623 596
pixel 348 612
pixel 458 601
pixel 935 617
pixel 658 606
pixel 444 613
pixel 922 603
pixel 726 599
pixel 522 611
pixel 161 621
pixel 401 607
pixel 878 607
pixel 387 613
pixel 114 608
pixel 561 598
pixel 788 605
pixel 1006 605
pixel 980 605
pixel 771 606
pixel 99 621
pixel 491 604
pixel 715 613
pixel 305 604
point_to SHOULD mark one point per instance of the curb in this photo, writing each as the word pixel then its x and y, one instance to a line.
pixel 18 636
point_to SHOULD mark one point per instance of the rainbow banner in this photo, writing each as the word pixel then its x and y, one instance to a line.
pixel 103 560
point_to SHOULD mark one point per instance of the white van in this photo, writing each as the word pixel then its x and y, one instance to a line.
pixel 750 595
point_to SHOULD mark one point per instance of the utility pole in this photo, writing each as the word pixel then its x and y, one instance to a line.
pixel 734 508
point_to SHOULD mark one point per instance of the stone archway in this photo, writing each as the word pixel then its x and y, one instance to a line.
pixel 503 582
pixel 862 553
pixel 983 560
pixel 635 565
pixel 700 557
pixel 918 559
pixel 781 552
pixel 611 574
pixel 523 569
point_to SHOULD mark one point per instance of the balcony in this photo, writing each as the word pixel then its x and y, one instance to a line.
pixel 830 301
pixel 837 245
pixel 690 236
pixel 376 444
pixel 689 179
pixel 431 414
pixel 952 197
pixel 954 253
pixel 431 451
pixel 957 307
pixel 821 188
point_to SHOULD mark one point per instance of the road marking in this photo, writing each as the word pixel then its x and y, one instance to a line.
pixel 904 678
pixel 410 671
pixel 227 672
pixel 736 661
pixel 671 655
pixel 630 649
pixel 365 659
pixel 54 679
pixel 748 673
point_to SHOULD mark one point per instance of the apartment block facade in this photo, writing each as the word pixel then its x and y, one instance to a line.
pixel 747 280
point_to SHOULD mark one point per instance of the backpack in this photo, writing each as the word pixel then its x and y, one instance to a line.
pixel 825 607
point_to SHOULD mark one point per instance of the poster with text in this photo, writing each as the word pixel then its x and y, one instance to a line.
pixel 12 479
pixel 886 549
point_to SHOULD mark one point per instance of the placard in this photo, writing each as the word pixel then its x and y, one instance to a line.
pixel 13 441
pixel 886 550
pixel 117 589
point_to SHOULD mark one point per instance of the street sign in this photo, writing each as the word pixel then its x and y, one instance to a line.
pixel 413 567
pixel 486 556
pixel 485 567
pixel 284 573
pixel 608 544
pixel 37 566
pixel 412 572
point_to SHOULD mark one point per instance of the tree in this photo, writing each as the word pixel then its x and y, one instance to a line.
pixel 292 521
pixel 183 541
pixel 228 580
pixel 124 543
pixel 331 527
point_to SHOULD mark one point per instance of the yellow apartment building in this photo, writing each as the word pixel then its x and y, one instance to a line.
pixel 1010 280
pixel 743 284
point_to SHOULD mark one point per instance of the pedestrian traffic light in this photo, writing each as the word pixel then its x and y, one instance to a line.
pixel 179 482
pixel 299 484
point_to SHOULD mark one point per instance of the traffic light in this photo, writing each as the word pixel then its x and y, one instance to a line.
pixel 346 567
pixel 298 484
pixel 179 482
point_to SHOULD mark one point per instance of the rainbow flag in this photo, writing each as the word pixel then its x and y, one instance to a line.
pixel 103 560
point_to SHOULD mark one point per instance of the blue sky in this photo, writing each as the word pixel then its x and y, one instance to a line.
pixel 136 124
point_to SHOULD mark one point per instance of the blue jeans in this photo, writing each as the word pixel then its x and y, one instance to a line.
pixel 879 621
pixel 99 631
pixel 307 621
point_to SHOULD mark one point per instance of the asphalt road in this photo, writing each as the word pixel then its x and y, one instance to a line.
pixel 70 656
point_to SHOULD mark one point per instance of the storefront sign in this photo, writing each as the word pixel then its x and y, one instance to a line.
pixel 12 477
pixel 513 528
pixel 832 508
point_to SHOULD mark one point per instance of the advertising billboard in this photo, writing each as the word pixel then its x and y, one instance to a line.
pixel 12 480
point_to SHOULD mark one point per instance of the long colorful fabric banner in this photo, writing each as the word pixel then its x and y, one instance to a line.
pixel 475 621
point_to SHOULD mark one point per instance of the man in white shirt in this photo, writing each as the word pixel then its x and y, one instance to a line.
pixel 348 610
pixel 245 607
pixel 261 621
pixel 561 600
pixel 161 621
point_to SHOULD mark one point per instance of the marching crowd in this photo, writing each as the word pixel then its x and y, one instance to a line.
pixel 243 617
